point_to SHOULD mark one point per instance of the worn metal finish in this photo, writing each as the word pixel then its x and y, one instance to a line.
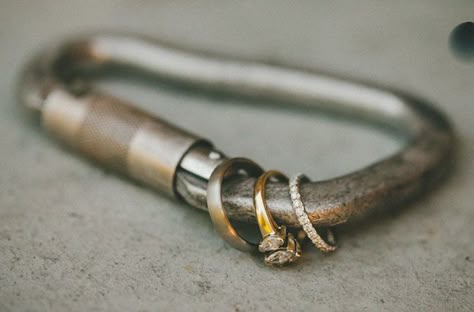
pixel 388 182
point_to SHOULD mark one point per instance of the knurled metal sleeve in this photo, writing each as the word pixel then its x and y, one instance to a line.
pixel 119 136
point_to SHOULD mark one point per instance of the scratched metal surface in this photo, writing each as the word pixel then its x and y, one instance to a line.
pixel 76 237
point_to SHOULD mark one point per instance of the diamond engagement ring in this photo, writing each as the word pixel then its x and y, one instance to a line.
pixel 274 237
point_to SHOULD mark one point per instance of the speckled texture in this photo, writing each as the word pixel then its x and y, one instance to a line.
pixel 75 237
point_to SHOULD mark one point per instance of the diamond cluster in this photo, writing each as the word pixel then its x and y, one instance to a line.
pixel 302 216
pixel 285 255
pixel 282 248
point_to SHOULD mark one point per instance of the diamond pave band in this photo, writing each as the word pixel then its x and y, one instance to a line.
pixel 302 216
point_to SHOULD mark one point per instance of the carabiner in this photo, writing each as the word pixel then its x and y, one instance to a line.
pixel 179 163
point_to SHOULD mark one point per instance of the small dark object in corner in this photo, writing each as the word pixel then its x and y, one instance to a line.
pixel 461 41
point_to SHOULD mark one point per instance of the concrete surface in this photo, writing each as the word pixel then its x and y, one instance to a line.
pixel 76 238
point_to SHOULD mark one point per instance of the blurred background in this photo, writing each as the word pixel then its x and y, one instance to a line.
pixel 76 237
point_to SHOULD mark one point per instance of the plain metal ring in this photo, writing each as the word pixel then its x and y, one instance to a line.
pixel 215 203
pixel 265 219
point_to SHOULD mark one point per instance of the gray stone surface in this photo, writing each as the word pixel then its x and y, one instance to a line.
pixel 74 237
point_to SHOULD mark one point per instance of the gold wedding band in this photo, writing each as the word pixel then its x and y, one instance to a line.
pixel 272 234
pixel 214 200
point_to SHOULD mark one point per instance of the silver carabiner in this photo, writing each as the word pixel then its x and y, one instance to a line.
pixel 177 162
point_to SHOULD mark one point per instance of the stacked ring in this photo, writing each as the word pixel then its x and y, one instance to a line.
pixel 214 200
pixel 281 247
pixel 303 219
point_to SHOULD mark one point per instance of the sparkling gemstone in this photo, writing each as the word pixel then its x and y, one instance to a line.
pixel 307 227
pixel 269 243
pixel 279 257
